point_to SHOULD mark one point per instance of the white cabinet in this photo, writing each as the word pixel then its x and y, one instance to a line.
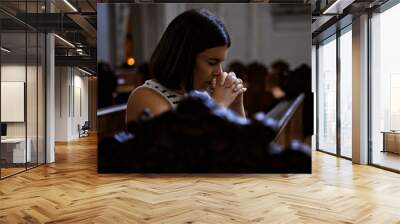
pixel 17 146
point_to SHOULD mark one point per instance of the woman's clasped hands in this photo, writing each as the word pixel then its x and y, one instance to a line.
pixel 228 89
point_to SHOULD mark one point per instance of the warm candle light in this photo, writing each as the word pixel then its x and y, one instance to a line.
pixel 130 61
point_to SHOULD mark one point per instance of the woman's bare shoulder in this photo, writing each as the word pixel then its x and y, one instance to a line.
pixel 143 98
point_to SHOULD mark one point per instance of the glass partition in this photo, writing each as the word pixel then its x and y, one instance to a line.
pixel 22 87
pixel 346 93
pixel 31 98
pixel 13 111
pixel 41 96
pixel 327 96
pixel 385 89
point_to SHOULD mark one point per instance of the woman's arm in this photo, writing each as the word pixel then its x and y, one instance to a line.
pixel 237 105
pixel 145 98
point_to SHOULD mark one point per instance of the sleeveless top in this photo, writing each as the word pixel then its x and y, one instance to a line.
pixel 170 95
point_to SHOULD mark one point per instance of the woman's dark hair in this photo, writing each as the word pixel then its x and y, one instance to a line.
pixel 190 33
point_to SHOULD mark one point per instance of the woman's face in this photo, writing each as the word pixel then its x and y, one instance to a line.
pixel 208 66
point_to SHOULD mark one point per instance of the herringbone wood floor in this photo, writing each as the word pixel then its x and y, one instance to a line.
pixel 70 191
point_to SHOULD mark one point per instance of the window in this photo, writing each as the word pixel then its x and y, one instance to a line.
pixel 385 88
pixel 346 92
pixel 327 96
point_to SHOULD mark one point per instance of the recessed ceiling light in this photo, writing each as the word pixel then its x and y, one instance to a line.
pixel 337 6
pixel 64 40
pixel 86 72
pixel 70 5
pixel 5 49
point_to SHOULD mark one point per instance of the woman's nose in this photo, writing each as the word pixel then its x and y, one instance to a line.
pixel 218 70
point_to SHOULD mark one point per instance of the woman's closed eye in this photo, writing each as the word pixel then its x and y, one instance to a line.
pixel 212 63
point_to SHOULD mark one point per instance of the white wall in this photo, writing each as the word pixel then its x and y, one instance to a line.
pixel 33 126
pixel 71 94
pixel 13 72
pixel 17 72
pixel 80 109
pixel 62 81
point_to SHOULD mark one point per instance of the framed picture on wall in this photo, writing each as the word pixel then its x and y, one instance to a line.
pixel 12 101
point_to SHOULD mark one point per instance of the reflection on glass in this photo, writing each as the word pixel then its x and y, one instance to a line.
pixel 394 101
pixel 14 153
pixel 327 97
pixel 41 99
pixel 31 101
pixel 23 90
pixel 385 84
pixel 345 94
